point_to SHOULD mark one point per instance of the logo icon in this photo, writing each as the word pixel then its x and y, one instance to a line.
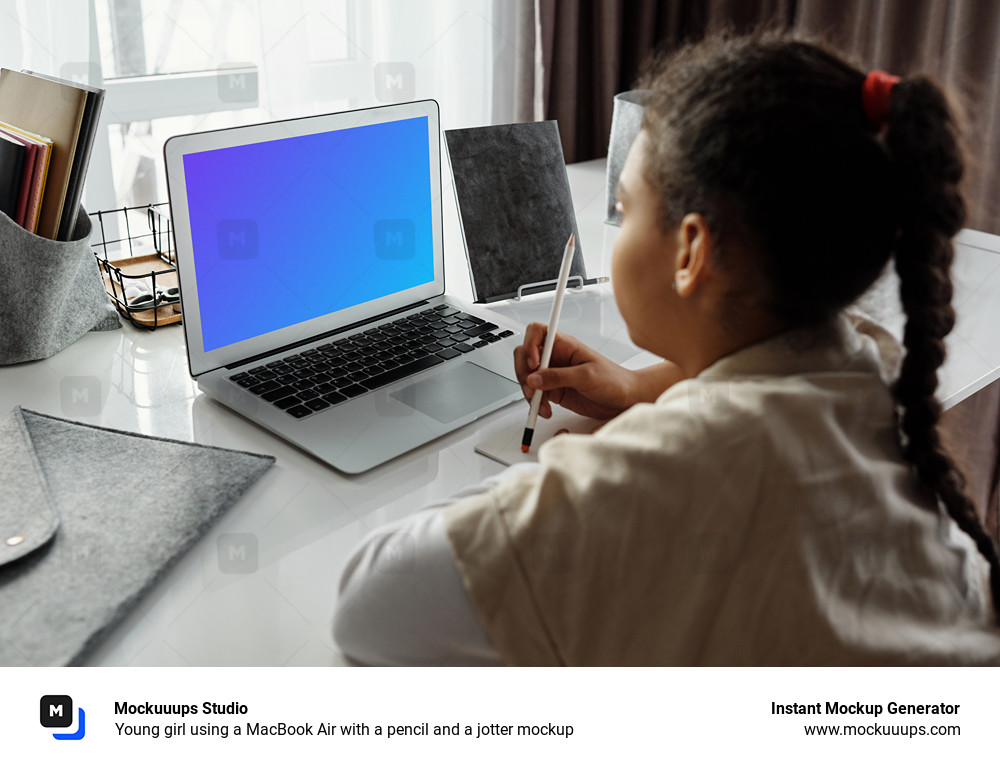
pixel 395 81
pixel 80 395
pixel 399 554
pixel 237 553
pixel 80 73
pixel 238 82
pixel 237 239
pixel 56 711
pixel 708 396
pixel 395 239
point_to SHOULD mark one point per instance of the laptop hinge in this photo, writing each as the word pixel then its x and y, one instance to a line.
pixel 321 336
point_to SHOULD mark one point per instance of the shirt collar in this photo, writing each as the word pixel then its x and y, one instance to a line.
pixel 833 346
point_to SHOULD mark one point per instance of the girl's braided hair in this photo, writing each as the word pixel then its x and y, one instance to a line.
pixel 768 139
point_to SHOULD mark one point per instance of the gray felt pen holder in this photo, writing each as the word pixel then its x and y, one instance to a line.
pixel 51 292
pixel 626 122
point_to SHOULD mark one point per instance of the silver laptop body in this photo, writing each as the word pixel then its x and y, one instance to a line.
pixel 315 245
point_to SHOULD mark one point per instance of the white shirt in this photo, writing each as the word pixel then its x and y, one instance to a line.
pixel 402 601
pixel 760 513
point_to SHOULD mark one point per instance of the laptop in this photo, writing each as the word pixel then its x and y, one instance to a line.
pixel 311 265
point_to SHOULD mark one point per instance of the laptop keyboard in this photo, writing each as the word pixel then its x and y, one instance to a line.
pixel 313 380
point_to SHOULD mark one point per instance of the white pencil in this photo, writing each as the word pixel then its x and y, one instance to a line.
pixel 550 337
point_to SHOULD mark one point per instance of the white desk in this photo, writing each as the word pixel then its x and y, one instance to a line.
pixel 305 516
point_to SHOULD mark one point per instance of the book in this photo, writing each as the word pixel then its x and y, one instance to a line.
pixel 39 173
pixel 11 164
pixel 514 204
pixel 51 109
pixel 30 155
pixel 81 159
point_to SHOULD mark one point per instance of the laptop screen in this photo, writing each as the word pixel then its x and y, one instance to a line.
pixel 291 229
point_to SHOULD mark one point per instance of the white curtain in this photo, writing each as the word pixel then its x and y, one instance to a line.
pixel 50 36
pixel 449 44
pixel 312 56
pixel 457 52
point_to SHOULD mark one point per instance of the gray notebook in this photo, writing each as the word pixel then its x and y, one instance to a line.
pixel 515 206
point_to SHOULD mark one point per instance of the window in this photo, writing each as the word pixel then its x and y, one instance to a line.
pixel 179 66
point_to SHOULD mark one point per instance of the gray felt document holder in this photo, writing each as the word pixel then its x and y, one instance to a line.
pixel 75 558
pixel 51 292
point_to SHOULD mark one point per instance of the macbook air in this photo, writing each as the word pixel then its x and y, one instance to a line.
pixel 311 264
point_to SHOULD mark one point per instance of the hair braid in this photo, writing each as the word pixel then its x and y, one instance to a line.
pixel 927 159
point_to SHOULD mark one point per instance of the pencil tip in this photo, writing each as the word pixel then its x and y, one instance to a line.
pixel 572 238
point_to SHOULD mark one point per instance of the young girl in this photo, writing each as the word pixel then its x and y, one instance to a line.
pixel 776 493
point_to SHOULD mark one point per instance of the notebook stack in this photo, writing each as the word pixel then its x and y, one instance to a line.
pixel 47 129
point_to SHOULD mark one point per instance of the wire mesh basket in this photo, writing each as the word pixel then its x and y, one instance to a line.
pixel 134 251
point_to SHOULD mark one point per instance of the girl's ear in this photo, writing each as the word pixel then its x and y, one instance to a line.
pixel 694 254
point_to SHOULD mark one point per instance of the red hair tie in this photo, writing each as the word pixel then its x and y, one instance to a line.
pixel 875 95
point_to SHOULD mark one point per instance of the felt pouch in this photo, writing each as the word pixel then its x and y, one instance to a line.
pixel 51 292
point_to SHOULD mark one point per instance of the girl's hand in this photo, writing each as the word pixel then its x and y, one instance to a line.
pixel 578 378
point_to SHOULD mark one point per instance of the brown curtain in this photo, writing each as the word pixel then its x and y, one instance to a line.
pixel 590 50
pixel 957 41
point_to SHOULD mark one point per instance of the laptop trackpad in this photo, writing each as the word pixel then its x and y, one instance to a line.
pixel 456 392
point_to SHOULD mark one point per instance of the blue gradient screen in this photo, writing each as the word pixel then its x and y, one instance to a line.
pixel 288 230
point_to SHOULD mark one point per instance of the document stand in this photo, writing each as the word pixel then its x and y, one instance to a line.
pixel 575 282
